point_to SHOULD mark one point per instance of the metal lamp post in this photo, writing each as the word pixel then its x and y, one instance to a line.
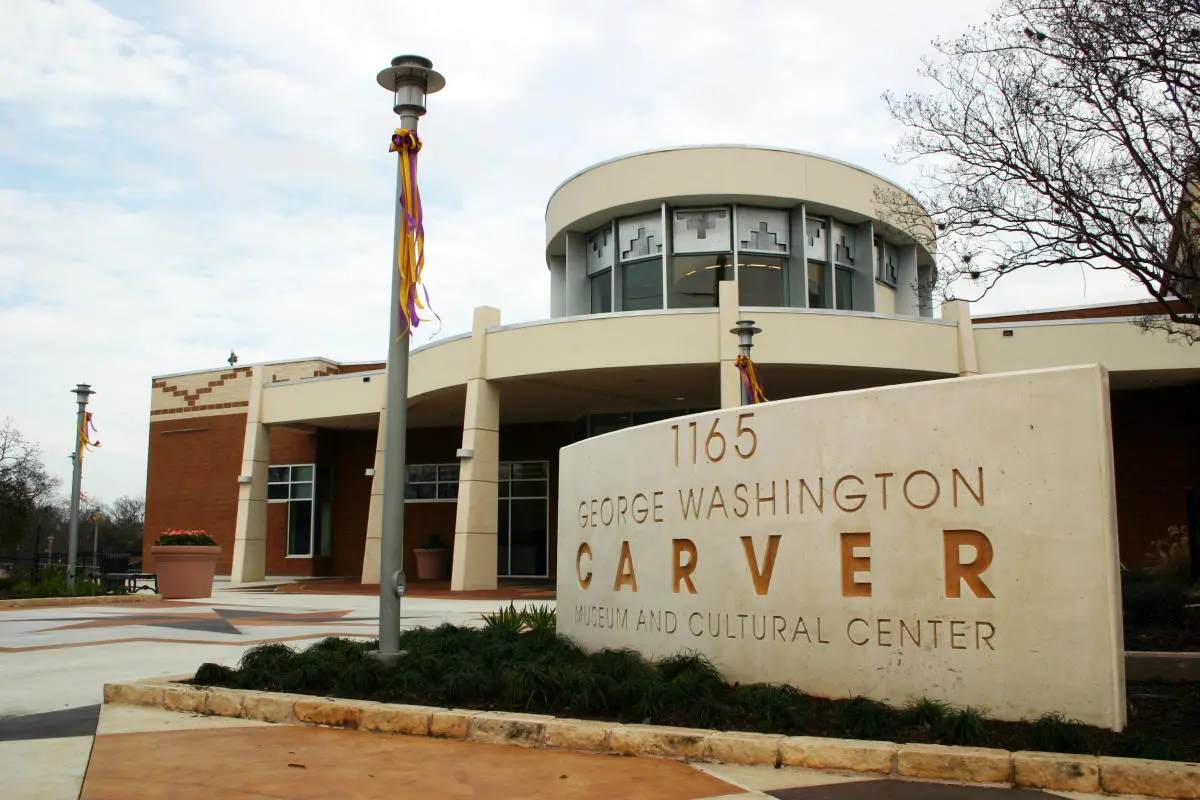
pixel 410 79
pixel 745 331
pixel 82 392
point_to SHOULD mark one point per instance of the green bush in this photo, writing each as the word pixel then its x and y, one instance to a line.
pixel 54 583
pixel 511 667
pixel 1152 597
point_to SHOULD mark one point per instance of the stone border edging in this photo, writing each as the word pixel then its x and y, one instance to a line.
pixel 1150 665
pixel 99 599
pixel 1053 771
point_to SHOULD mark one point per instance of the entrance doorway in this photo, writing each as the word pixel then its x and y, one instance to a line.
pixel 523 543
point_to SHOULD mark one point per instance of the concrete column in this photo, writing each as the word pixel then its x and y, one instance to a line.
pixel 959 311
pixel 250 530
pixel 371 550
pixel 558 286
pixel 727 344
pixel 475 520
pixel 577 299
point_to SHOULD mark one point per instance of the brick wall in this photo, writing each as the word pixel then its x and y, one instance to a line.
pixel 191 479
pixel 1156 451
pixel 347 455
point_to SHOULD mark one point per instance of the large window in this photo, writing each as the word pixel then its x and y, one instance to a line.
pixel 432 482
pixel 695 280
pixel 599 260
pixel 306 492
pixel 845 289
pixel 762 280
pixel 820 290
pixel 887 262
pixel 702 240
pixel 640 250
pixel 523 526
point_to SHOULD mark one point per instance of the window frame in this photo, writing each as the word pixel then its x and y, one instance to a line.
pixel 312 503
pixel 436 483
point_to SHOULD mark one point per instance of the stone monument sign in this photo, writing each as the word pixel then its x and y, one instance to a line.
pixel 954 539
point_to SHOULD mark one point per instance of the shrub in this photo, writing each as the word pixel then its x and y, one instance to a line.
pixel 1151 597
pixel 963 726
pixel 214 675
pixel 54 583
pixel 777 707
pixel 924 712
pixel 1054 733
pixel 186 538
pixel 506 619
pixel 863 718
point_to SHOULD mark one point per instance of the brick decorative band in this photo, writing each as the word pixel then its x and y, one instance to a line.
pixel 208 407
pixel 190 397
pixel 1053 771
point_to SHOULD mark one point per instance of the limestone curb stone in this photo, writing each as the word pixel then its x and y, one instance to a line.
pixel 270 707
pixel 330 712
pixel 843 755
pixel 53 602
pixel 226 703
pixel 491 727
pixel 133 694
pixel 731 747
pixel 971 764
pixel 1056 771
pixel 450 723
pixel 184 698
pixel 578 734
pixel 659 740
pixel 1053 771
pixel 1175 779
pixel 410 720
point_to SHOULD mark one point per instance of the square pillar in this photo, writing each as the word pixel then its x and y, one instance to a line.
pixel 727 344
pixel 475 520
pixel 371 549
pixel 250 529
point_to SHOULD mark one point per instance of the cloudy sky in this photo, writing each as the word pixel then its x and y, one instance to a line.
pixel 182 178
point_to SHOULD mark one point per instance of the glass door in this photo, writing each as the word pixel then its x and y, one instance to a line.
pixel 523 543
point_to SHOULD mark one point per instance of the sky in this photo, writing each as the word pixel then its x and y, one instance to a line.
pixel 179 179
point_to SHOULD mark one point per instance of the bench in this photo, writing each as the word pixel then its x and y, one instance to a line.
pixel 133 582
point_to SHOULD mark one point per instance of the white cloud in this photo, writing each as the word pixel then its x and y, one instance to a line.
pixel 180 179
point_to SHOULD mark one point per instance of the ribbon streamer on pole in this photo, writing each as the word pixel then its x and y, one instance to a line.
pixel 410 250
pixel 750 379
pixel 86 431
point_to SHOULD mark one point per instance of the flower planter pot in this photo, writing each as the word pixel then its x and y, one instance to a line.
pixel 185 571
pixel 433 564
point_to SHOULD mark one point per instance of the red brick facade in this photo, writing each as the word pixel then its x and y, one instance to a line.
pixel 1156 450
pixel 194 463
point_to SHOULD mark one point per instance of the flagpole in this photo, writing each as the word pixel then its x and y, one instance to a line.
pixel 82 391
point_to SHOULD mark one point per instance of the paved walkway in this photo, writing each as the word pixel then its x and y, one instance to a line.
pixel 53 731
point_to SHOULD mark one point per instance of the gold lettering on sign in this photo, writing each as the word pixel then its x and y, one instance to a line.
pixel 713 433
pixel 761 577
pixel 850 632
pixel 852 565
pixel 584 580
pixel 683 572
pixel 759 499
pixel 743 430
pixel 691 506
pixel 860 497
pixel 937 490
pixel 606 503
pixel 979 637
pixel 957 476
pixel 583 514
pixel 969 572
pixel 657 506
pixel 625 576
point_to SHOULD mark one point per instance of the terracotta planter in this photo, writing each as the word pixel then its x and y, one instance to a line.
pixel 185 572
pixel 433 564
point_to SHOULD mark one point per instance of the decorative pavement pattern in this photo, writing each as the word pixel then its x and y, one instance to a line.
pixel 57 742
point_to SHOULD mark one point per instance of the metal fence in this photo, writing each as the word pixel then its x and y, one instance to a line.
pixel 94 564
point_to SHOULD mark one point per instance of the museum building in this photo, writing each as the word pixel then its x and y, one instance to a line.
pixel 652 259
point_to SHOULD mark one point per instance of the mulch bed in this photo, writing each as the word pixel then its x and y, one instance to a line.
pixel 1165 637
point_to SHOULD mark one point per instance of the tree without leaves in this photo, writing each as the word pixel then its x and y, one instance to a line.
pixel 1064 132
pixel 25 485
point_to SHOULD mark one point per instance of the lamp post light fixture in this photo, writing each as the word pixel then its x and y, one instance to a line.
pixel 82 392
pixel 745 331
pixel 410 79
